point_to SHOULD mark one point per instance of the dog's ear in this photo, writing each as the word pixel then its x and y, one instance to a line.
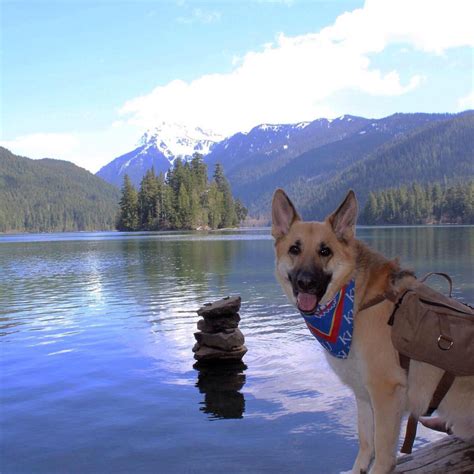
pixel 343 219
pixel 283 214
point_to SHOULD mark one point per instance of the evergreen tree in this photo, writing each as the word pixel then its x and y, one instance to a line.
pixel 240 211
pixel 164 204
pixel 183 200
pixel 229 217
pixel 184 217
pixel 128 215
pixel 370 213
pixel 148 200
pixel 216 206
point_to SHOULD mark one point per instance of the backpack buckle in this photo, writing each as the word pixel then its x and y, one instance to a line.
pixel 445 343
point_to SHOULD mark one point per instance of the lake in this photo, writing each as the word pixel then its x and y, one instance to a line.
pixel 97 370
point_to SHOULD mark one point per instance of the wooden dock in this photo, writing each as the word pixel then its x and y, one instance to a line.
pixel 448 455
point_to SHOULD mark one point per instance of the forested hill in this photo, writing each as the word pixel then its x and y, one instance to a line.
pixel 438 152
pixel 52 195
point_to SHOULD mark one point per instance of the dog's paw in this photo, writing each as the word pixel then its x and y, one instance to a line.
pixel 381 469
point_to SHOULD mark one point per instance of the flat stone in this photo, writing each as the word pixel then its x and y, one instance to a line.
pixel 226 341
pixel 209 353
pixel 223 307
pixel 219 324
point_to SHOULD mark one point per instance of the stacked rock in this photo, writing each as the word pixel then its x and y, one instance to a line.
pixel 219 338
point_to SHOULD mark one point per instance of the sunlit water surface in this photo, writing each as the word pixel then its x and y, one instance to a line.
pixel 96 363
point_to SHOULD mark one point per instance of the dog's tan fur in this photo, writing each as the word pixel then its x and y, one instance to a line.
pixel 382 389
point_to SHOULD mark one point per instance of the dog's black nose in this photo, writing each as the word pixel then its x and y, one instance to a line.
pixel 313 281
pixel 305 282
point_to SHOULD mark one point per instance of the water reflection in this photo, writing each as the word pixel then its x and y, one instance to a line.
pixel 97 332
pixel 221 384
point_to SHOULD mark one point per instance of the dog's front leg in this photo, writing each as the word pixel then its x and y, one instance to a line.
pixel 365 425
pixel 388 400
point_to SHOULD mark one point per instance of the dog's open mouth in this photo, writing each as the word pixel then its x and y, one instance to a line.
pixel 307 302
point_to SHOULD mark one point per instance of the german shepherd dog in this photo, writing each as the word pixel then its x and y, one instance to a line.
pixel 314 260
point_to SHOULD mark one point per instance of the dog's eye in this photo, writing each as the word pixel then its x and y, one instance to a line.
pixel 325 252
pixel 294 250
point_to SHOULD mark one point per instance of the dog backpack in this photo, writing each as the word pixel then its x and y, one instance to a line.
pixel 430 327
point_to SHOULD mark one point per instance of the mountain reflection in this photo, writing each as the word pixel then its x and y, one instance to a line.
pixel 221 385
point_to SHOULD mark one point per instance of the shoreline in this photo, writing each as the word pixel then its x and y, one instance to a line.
pixel 226 229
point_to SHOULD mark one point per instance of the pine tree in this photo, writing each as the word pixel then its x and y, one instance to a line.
pixel 184 217
pixel 148 200
pixel 229 217
pixel 216 206
pixel 240 211
pixel 128 215
pixel 370 212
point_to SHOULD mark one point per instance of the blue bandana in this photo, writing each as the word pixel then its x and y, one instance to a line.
pixel 332 324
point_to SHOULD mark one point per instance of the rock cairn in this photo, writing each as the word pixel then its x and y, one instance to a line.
pixel 219 338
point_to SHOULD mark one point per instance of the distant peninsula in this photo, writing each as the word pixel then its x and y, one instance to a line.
pixel 184 199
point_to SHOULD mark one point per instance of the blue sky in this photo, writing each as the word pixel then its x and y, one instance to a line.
pixel 82 80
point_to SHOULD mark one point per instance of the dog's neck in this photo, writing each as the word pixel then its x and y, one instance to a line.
pixel 377 275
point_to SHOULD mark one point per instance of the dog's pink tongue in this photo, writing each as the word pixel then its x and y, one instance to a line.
pixel 306 302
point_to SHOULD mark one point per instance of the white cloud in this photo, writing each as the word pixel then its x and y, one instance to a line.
pixel 466 102
pixel 294 78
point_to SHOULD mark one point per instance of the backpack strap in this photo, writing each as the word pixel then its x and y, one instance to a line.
pixel 388 295
pixel 444 275
pixel 410 435
pixel 440 392
pixel 396 298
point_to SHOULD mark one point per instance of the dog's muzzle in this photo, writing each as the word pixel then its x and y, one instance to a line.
pixel 309 286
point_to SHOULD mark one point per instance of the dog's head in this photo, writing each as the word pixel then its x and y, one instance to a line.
pixel 313 259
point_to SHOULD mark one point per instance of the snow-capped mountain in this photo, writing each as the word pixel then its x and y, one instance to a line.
pixel 175 140
pixel 159 147
pixel 269 155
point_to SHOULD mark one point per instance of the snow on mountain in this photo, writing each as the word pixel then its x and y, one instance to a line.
pixel 278 143
pixel 175 140
pixel 159 147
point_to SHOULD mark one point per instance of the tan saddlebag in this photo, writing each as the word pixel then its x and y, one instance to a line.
pixel 433 328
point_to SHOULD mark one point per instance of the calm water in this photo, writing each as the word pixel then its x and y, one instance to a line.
pixel 96 363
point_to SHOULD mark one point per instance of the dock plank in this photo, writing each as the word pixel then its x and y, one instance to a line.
pixel 448 455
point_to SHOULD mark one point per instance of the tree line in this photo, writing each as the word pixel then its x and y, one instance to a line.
pixel 183 199
pixel 421 204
